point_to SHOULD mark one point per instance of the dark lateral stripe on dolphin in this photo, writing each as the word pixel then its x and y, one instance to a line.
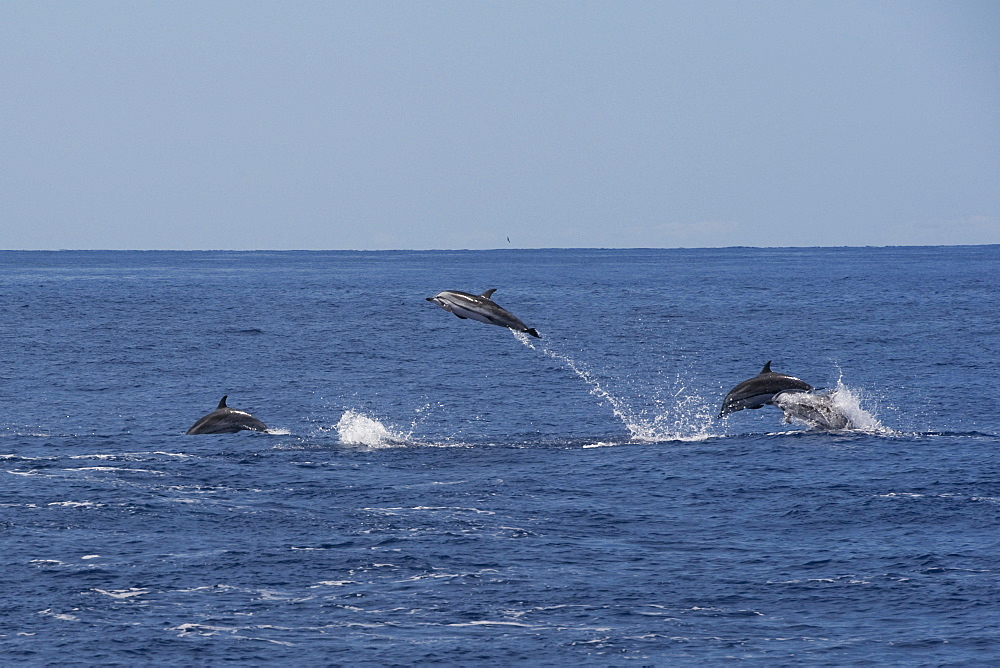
pixel 226 420
pixel 760 390
pixel 466 305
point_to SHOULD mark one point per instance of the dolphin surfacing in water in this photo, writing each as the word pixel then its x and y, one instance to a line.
pixel 480 307
pixel 226 420
pixel 817 410
pixel 760 390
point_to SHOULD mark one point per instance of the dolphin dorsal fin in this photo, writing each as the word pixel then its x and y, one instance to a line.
pixel 222 402
pixel 486 295
pixel 767 367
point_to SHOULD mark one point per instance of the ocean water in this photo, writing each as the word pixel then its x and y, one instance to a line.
pixel 441 490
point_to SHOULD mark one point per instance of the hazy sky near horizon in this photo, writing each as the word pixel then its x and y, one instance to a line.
pixel 458 124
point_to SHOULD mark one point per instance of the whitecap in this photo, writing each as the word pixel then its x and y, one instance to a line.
pixel 487 622
pixel 114 468
pixel 215 587
pixel 122 593
pixel 129 455
pixel 77 504
pixel 204 629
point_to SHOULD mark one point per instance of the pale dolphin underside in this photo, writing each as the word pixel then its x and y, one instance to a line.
pixel 466 305
pixel 226 420
pixel 760 390
pixel 817 410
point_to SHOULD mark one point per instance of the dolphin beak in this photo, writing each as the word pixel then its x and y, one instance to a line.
pixel 430 299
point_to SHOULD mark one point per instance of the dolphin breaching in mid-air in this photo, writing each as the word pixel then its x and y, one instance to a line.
pixel 760 390
pixel 480 307
pixel 226 420
pixel 795 397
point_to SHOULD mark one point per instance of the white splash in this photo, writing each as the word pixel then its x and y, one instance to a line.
pixel 838 409
pixel 849 402
pixel 684 417
pixel 358 429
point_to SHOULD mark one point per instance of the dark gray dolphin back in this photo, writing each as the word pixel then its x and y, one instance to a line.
pixel 226 420
pixel 760 390
pixel 466 306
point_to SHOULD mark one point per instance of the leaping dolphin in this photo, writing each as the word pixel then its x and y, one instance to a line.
pixel 481 308
pixel 817 410
pixel 226 420
pixel 760 390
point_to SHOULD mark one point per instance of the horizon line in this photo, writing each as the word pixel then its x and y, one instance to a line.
pixel 469 250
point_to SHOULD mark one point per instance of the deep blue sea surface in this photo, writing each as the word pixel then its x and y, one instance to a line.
pixel 441 490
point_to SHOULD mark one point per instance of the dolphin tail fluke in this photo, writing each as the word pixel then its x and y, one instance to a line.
pixel 533 332
pixel 222 403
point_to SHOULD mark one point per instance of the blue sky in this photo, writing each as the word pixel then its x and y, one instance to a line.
pixel 395 125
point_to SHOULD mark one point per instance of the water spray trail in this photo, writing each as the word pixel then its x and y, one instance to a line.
pixel 617 406
pixel 640 429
